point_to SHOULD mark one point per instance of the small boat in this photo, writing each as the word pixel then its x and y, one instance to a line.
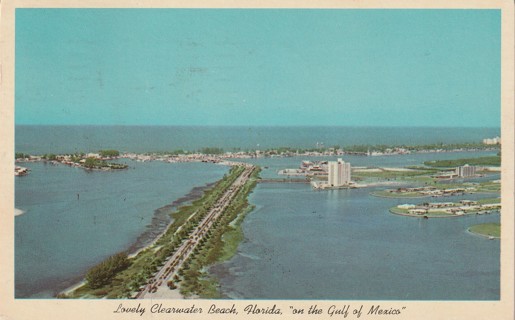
pixel 491 238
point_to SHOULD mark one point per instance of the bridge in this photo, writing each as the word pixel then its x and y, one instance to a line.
pixel 283 181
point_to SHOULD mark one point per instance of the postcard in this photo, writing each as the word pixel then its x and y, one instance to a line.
pixel 257 159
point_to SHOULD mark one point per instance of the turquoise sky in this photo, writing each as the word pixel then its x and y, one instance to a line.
pixel 258 67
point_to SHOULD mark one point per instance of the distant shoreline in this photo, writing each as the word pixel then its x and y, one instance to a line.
pixel 145 138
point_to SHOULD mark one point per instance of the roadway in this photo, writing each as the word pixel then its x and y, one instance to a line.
pixel 159 280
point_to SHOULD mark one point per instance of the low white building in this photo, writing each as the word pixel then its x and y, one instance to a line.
pixel 492 141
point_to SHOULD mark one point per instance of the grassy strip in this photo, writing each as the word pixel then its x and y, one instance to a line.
pixel 147 262
pixel 219 244
pixel 398 210
pixel 234 236
pixel 387 194
pixel 489 201
pixel 489 187
pixel 387 174
pixel 487 229
pixel 484 161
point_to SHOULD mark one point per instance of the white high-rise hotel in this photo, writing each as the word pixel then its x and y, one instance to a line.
pixel 339 173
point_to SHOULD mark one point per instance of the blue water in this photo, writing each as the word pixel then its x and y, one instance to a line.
pixel 68 139
pixel 270 166
pixel 344 244
pixel 61 235
pixel 298 243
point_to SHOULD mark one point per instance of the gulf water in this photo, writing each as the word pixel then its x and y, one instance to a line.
pixel 344 244
pixel 74 218
pixel 68 139
pixel 299 244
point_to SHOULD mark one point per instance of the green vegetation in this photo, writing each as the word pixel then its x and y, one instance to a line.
pixel 489 187
pixel 388 194
pixel 398 210
pixel 211 151
pixel 483 161
pixel 49 156
pixel 94 163
pixel 169 153
pixel 109 153
pixel 434 146
pixel 365 148
pixel 391 174
pixel 19 155
pixel 454 209
pixel 75 158
pixel 219 244
pixel 489 201
pixel 147 261
pixel 483 187
pixel 487 229
pixel 104 272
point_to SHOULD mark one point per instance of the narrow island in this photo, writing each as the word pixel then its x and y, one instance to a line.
pixel 440 190
pixel 448 209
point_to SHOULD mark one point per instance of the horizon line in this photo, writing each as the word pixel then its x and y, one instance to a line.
pixel 252 126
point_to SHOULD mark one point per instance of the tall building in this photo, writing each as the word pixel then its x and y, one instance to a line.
pixel 339 173
pixel 466 171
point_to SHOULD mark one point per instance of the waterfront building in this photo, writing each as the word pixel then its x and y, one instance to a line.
pixel 466 171
pixel 490 141
pixel 339 173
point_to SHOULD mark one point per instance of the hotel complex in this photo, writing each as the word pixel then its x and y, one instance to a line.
pixel 466 171
pixel 338 173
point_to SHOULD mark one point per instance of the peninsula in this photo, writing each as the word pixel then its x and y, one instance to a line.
pixel 173 266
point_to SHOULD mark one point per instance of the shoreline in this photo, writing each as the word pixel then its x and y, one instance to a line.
pixel 194 194
pixel 166 293
pixel 429 215
pixel 184 200
pixel 251 154
pixel 482 235
pixel 481 232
